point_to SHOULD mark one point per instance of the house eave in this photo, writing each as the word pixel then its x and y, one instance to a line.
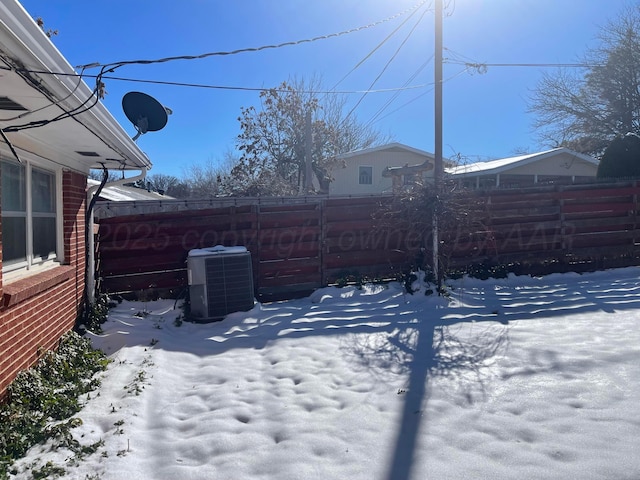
pixel 388 146
pixel 26 51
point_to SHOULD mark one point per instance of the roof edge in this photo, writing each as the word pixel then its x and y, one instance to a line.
pixel 386 146
pixel 28 44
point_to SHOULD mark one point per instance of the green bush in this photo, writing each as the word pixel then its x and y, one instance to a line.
pixel 95 314
pixel 45 394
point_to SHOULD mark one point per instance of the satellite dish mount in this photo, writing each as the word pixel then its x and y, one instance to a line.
pixel 145 112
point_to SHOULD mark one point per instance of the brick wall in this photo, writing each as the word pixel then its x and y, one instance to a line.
pixel 35 311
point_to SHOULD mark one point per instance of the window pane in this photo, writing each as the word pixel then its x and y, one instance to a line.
pixel 14 238
pixel 13 188
pixel 366 175
pixel 43 191
pixel 44 237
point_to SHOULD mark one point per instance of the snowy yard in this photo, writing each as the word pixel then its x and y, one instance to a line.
pixel 514 378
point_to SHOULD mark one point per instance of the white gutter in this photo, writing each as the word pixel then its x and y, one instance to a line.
pixel 91 260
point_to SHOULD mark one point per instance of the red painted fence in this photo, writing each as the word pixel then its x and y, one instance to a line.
pixel 299 247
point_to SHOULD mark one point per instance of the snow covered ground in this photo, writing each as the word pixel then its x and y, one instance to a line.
pixel 535 378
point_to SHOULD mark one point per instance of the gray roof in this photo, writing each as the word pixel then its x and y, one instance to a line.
pixel 123 193
pixel 503 164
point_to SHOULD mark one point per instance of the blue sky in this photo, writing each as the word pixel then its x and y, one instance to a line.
pixel 485 115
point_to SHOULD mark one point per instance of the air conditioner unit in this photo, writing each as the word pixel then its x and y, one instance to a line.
pixel 220 281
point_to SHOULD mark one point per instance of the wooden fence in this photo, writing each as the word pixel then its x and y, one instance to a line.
pixel 299 247
pixel 294 248
pixel 596 224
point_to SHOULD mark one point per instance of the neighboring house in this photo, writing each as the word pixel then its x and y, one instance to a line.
pixel 52 135
pixel 557 166
pixel 367 171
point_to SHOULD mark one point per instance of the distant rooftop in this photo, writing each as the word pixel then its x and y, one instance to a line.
pixel 123 193
pixel 496 166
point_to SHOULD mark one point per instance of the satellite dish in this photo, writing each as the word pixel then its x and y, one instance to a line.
pixel 145 112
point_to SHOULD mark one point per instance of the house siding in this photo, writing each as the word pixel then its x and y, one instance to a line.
pixel 37 310
pixel 346 174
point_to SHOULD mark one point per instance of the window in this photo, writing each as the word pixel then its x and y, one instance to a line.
pixel 366 175
pixel 29 216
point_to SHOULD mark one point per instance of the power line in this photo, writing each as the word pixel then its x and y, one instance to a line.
pixel 256 49
pixel 386 105
pixel 395 54
pixel 432 85
pixel 226 87
pixel 98 91
pixel 570 65
pixel 481 67
pixel 377 47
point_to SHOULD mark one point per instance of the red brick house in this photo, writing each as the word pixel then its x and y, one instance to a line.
pixel 52 134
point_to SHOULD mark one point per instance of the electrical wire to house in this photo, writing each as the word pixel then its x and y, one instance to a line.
pixel 240 88
pixel 53 103
pixel 10 145
pixel 99 89
pixel 91 101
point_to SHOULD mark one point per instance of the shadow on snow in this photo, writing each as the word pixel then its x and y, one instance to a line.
pixel 387 331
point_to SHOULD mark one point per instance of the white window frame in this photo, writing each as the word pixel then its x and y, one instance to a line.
pixel 32 265
pixel 360 167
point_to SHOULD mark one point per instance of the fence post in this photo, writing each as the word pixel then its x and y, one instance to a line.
pixel 635 217
pixel 563 224
pixel 321 240
pixel 256 210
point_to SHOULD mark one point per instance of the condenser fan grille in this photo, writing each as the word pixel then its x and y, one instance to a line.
pixel 229 284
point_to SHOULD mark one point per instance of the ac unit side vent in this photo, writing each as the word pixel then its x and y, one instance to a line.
pixel 229 284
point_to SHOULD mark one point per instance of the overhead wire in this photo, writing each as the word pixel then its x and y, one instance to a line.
pixel 232 87
pixel 420 96
pixel 393 57
pixel 449 13
pixel 10 145
pixel 53 103
pixel 376 48
pixel 98 91
pixel 263 47
pixel 397 93
pixel 91 101
pixel 481 67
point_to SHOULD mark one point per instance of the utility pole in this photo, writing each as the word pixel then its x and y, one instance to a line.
pixel 308 151
pixel 438 168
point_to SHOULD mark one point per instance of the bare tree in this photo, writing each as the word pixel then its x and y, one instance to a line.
pixel 586 109
pixel 211 178
pixel 164 183
pixel 112 176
